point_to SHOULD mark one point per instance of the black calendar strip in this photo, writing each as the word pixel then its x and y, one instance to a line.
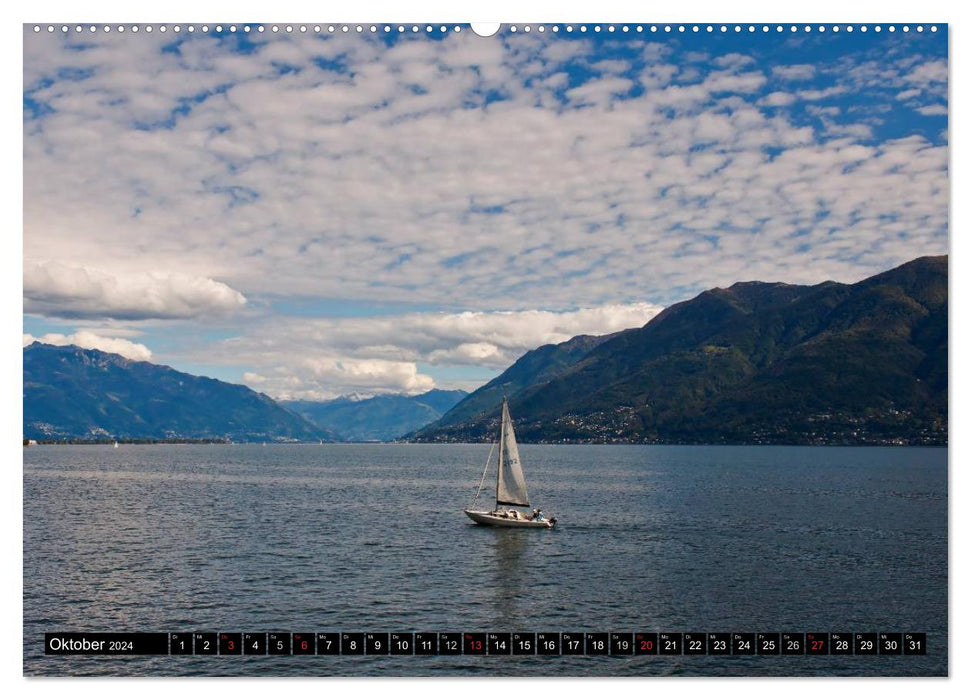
pixel 486 643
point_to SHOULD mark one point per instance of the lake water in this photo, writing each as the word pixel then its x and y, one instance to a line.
pixel 320 538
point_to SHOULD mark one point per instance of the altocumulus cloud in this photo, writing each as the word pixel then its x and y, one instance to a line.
pixel 513 172
pixel 66 291
pixel 93 341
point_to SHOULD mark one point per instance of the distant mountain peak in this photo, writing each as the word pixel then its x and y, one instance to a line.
pixel 379 418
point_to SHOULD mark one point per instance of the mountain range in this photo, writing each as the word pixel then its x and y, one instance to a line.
pixel 72 393
pixel 376 419
pixel 755 363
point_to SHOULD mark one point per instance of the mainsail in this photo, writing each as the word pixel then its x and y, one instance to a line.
pixel 511 484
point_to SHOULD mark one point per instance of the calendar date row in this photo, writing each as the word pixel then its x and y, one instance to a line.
pixel 488 643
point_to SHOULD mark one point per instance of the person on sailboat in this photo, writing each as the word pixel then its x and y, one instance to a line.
pixel 538 514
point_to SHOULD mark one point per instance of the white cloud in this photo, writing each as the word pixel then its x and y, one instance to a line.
pixel 821 94
pixel 611 66
pixel 468 354
pixel 321 378
pixel 113 331
pixel 929 72
pixel 92 341
pixel 323 358
pixel 599 91
pixel 729 81
pixel 801 71
pixel 778 99
pixel 733 61
pixel 53 288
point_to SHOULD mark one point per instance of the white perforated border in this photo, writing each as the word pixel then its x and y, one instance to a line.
pixel 511 29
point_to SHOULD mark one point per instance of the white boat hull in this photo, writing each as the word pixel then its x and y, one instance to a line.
pixel 498 520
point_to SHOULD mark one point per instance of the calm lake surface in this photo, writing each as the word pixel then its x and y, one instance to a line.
pixel 355 538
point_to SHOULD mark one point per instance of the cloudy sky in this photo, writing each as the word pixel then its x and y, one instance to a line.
pixel 321 214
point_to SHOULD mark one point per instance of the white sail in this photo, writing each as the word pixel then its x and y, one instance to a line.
pixel 511 484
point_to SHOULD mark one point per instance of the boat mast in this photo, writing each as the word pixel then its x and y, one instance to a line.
pixel 502 443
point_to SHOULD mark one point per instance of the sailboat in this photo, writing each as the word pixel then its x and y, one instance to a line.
pixel 510 485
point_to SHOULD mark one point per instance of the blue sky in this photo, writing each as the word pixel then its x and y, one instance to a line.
pixel 316 215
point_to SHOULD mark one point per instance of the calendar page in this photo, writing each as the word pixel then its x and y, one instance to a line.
pixel 528 349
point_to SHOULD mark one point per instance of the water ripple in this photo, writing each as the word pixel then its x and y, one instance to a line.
pixel 372 538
